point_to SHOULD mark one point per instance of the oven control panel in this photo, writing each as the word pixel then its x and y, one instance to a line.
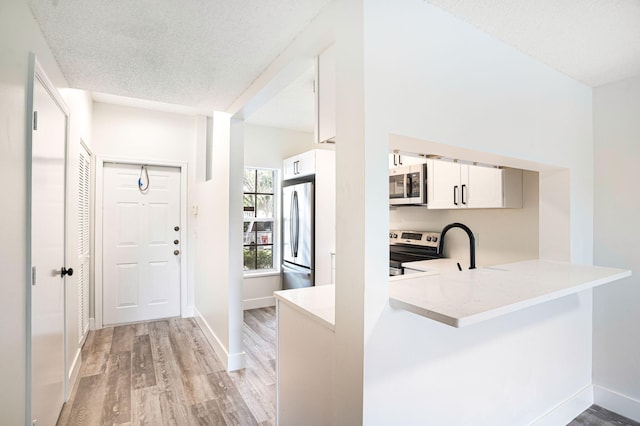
pixel 418 238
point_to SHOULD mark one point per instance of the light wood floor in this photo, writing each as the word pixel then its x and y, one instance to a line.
pixel 166 373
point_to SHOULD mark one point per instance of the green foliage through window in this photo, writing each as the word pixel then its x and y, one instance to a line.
pixel 259 216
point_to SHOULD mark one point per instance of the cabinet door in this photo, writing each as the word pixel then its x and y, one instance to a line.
pixel 306 164
pixel 443 185
pixel 289 168
pixel 393 161
pixel 326 96
pixel 482 187
pixel 397 160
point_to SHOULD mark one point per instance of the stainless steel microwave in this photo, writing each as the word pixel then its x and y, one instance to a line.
pixel 408 185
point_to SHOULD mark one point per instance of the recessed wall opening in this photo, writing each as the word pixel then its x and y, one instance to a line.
pixel 538 229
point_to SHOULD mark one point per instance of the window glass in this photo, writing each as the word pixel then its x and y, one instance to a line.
pixel 259 219
pixel 265 181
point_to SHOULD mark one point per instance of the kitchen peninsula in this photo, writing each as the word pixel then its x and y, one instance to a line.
pixel 458 299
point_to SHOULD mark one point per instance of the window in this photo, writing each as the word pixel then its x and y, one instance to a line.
pixel 259 203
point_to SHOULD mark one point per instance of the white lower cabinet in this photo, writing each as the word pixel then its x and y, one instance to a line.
pixel 305 371
pixel 452 185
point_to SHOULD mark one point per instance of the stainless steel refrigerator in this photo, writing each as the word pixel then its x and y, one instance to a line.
pixel 298 211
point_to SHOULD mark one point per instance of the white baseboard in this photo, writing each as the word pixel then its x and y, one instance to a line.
pixel 189 312
pixel 259 302
pixel 74 372
pixel 567 410
pixel 616 402
pixel 92 323
pixel 235 361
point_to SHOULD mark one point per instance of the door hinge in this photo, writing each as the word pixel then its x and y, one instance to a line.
pixel 35 120
pixel 33 275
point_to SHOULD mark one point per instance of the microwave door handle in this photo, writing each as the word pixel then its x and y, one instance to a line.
pixel 409 185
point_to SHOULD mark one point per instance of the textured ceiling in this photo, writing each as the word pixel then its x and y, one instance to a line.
pixel 198 53
pixel 204 53
pixel 593 41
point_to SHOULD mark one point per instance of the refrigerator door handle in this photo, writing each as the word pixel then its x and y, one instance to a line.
pixel 291 225
pixel 296 222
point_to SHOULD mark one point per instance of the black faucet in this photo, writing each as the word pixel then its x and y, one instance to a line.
pixel 472 242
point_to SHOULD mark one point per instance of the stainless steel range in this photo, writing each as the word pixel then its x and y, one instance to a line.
pixel 411 246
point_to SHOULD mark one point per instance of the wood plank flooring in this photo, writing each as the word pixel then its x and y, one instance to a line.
pixel 598 416
pixel 166 373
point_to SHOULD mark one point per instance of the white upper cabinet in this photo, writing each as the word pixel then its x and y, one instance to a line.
pixel 325 96
pixel 397 160
pixel 481 187
pixel 300 165
pixel 443 184
pixel 452 185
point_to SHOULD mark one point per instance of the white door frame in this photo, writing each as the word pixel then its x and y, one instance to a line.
pixel 92 222
pixel 36 72
pixel 100 162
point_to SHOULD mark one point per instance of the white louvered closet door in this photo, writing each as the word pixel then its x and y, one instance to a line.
pixel 84 247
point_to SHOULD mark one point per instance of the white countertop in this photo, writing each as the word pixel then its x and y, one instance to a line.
pixel 318 302
pixel 471 296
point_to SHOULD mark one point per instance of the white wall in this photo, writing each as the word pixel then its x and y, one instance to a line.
pixel 218 229
pixel 430 76
pixel 19 35
pixel 267 147
pixel 144 135
pixel 616 319
pixel 516 238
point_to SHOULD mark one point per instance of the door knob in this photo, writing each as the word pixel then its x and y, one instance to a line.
pixel 176 252
pixel 64 271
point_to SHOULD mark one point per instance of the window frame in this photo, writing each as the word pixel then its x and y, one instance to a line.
pixel 276 219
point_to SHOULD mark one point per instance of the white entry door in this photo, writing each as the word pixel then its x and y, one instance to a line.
pixel 141 243
pixel 47 255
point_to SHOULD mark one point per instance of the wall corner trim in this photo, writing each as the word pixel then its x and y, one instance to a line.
pixel 617 402
pixel 236 361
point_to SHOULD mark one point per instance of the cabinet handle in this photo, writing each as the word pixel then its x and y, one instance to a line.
pixel 296 169
pixel 399 159
pixel 462 194
pixel 395 163
pixel 455 195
